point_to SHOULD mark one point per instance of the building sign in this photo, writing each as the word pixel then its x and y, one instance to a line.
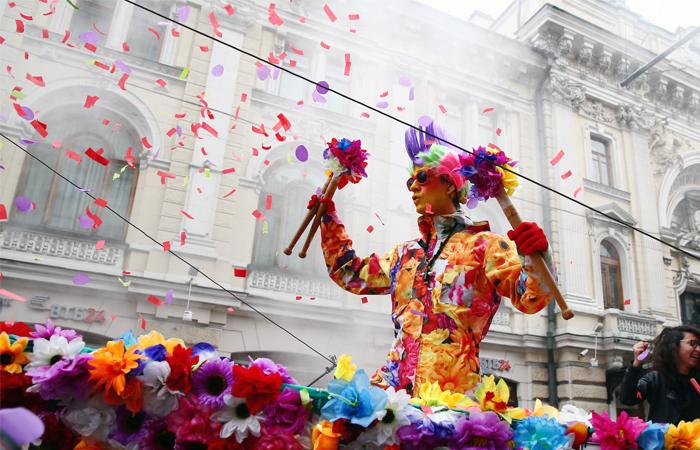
pixel 78 313
pixel 490 365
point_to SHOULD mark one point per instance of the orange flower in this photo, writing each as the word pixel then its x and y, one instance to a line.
pixel 86 444
pixel 12 357
pixel 324 438
pixel 110 365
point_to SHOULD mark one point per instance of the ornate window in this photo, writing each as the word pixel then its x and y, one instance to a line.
pixel 92 16
pixel 141 38
pixel 611 271
pixel 601 167
pixel 690 308
pixel 58 203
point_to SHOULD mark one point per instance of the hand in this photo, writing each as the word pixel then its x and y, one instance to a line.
pixel 638 349
pixel 529 238
pixel 330 206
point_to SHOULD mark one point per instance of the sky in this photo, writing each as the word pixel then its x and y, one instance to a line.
pixel 668 14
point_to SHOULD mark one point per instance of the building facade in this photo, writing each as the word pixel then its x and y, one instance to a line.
pixel 206 173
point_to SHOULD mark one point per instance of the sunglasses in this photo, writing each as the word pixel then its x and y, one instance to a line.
pixel 420 177
pixel 692 342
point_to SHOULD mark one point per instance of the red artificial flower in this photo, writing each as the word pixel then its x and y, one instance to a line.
pixel 131 396
pixel 12 389
pixel 181 362
pixel 57 436
pixel 348 431
pixel 258 389
pixel 271 440
pixel 20 329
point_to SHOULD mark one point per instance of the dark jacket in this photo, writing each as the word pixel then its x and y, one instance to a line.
pixel 669 402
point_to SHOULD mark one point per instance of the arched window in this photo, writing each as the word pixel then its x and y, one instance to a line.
pixel 611 270
pixel 58 203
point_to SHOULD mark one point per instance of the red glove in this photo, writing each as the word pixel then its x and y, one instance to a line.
pixel 529 238
pixel 330 206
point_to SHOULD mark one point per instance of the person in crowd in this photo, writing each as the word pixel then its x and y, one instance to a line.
pixel 671 387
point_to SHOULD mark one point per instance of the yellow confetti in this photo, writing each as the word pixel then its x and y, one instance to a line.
pixel 186 181
pixel 185 72
pixel 122 169
pixel 115 176
pixel 19 95
pixel 207 172
pixel 124 283
pixel 265 227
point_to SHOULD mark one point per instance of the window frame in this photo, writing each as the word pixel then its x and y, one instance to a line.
pixel 595 161
pixel 616 264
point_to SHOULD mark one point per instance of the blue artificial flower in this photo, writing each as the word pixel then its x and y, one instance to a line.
pixel 354 400
pixel 467 170
pixel 156 352
pixel 652 438
pixel 128 339
pixel 204 350
pixel 344 144
pixel 540 433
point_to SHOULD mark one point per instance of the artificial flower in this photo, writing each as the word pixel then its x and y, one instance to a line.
pixel 48 330
pixel 94 418
pixel 541 433
pixel 579 432
pixel 389 420
pixel 180 362
pixel 617 435
pixel 192 422
pixel 237 418
pixel 258 389
pixel 431 394
pixel 345 368
pixel 272 440
pixel 131 396
pixel 89 444
pixel 324 438
pixel 427 431
pixel 154 337
pixel 494 397
pixel 542 409
pixel 156 352
pixel 211 381
pixel 156 435
pixel 481 430
pixel 12 356
pixel 204 351
pixel 269 367
pixel 56 434
pixel 287 413
pixel 571 414
pixel 347 158
pixel 652 438
pixel 12 389
pixel 64 379
pixel 49 351
pixel 684 436
pixel 130 426
pixel 355 400
pixel 20 329
pixel 110 365
pixel 159 400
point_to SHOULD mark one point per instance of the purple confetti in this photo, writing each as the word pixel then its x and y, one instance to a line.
pixel 89 37
pixel 424 121
pixel 642 356
pixel 301 153
pixel 183 13
pixel 178 130
pixel 411 94
pixel 322 87
pixel 263 73
pixel 318 98
pixel 169 297
pixel 27 141
pixel 121 66
pixel 404 81
pixel 81 279
pixel 472 203
pixel 86 222
pixel 276 73
pixel 27 114
pixel 382 105
pixel 24 204
pixel 217 70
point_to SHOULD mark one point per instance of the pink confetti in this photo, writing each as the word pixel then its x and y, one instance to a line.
pixel 90 101
pixel 268 202
pixel 353 17
pixel 183 238
pixel 215 24
pixel 38 80
pixel 554 161
pixel 12 296
pixel 230 309
pixel 487 110
pixel 186 214
pixel 329 13
pixel 230 193
pixel 99 245
pixel 325 46
pixel 122 82
pixel 498 131
pixel 229 9
pixel 258 215
pixel 566 175
pixel 577 191
pixel 272 15
pixel 166 246
pixel 348 64
pixel 442 109
pixel 370 229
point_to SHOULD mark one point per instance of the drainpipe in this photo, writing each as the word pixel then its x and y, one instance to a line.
pixel 547 227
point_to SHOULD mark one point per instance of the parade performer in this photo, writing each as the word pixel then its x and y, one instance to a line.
pixel 445 286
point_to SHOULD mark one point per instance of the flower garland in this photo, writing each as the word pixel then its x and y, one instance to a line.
pixel 347 159
pixel 151 393
pixel 485 168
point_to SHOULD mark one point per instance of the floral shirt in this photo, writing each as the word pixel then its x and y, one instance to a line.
pixel 442 301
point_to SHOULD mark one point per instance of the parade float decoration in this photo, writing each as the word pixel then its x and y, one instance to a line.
pixel 153 393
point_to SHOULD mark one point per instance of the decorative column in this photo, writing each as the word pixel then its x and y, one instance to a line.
pixel 119 27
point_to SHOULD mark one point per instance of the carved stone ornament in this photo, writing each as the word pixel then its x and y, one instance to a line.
pixel 633 116
pixel 573 94
pixel 662 150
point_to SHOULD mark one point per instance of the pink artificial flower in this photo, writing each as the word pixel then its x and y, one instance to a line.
pixel 617 435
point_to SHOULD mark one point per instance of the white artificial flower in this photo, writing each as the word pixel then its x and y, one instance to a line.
pixel 159 400
pixel 237 418
pixel 571 413
pixel 393 417
pixel 92 418
pixel 49 351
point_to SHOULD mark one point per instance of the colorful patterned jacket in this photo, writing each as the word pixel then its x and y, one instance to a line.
pixel 442 313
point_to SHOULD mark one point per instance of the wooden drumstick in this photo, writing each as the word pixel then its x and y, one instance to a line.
pixel 319 213
pixel 307 220
pixel 536 258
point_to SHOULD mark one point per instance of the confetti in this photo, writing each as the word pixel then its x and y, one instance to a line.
pixel 695 385
pixel 183 13
pixel 166 246
pixel 240 272
pixel 186 214
pixel 329 13
pixel 577 191
pixel 231 192
pixel 229 9
pixel 370 229
pixel 3 213
pixel 230 309
pixel 272 15
pixel 382 105
pixel 301 153
pixel 183 238
pixel 40 127
pixel 155 300
pixel 325 46
pixel 487 110
pixel 99 245
pixel 11 295
pixel 102 203
pixel 24 204
pixel 554 161
pixel 364 300
pixel 298 297
pixel 353 17
pixel 217 70
pixel 498 131
pixel 258 215
pixel 229 170
pixel 442 109
pixel 169 297
pixel 185 72
pixel 97 156
pixel 143 323
pixel 215 24
pixel 566 175
pixel 81 279
pixel 348 65
pixel 86 222
pixel 268 202
pixel 90 101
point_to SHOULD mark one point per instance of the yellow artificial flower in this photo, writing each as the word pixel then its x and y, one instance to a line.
pixel 543 409
pixel 494 397
pixel 324 438
pixel 12 357
pixel 509 179
pixel 155 338
pixel 430 394
pixel 684 436
pixel 345 369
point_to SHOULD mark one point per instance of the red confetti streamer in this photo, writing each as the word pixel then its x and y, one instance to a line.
pixel 166 246
pixel 3 213
pixel 229 170
pixel 160 82
pixel 97 157
pixel 125 46
pixel 155 300
pixel 26 17
pixel 577 191
pixel 286 124
pixel 180 116
pixel 183 238
pixel 364 300
pixel 231 192
pixel 143 323
pixel 329 13
pixel 122 82
pixel 144 141
pixel 211 131
pixel 280 138
pixel 215 24
pixel 487 110
pixel 19 26
pixel 258 215
pixel 164 175
pixel 370 229
pixel 40 127
pixel 554 161
pixel 348 64
pixel 45 33
pixel 260 130
pixel 268 202
pixel 297 51
pixel 38 80
pixel 184 213
pixel 566 175
pixel 12 296
pixel 101 65
pixel 229 9
pixel 239 272
pixel 353 17
pixel 99 245
pixel 272 15
pixel 175 33
pixel 102 203
pixel 326 46
pixel 90 47
pixel 442 109
pixel 65 37
pixel 95 218
pixel 90 101
pixel 498 131
pixel 155 33
pixel 74 156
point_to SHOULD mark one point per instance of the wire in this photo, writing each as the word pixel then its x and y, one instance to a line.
pixel 380 112
pixel 330 360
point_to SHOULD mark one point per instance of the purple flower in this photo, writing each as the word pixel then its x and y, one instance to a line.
pixel 481 430
pixel 50 329
pixel 156 352
pixel 130 427
pixel 287 413
pixel 65 379
pixel 156 435
pixel 425 433
pixel 269 367
pixel 212 381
